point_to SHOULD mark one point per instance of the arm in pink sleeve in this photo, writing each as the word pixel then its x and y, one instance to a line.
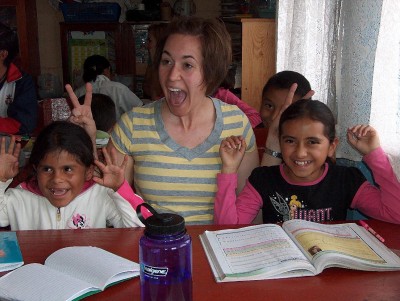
pixel 228 97
pixel 252 114
pixel 231 210
pixel 381 202
pixel 127 193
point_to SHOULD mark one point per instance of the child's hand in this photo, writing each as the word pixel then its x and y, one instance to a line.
pixel 273 135
pixel 113 176
pixel 232 151
pixel 363 138
pixel 9 165
pixel 82 114
pixel 308 95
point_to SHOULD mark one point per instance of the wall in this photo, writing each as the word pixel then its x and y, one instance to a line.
pixel 49 38
pixel 49 31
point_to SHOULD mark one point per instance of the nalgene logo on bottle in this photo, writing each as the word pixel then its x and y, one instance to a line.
pixel 155 271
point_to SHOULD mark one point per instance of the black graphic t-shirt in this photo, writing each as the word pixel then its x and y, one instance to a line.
pixel 327 200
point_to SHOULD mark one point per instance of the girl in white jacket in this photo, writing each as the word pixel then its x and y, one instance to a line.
pixel 63 192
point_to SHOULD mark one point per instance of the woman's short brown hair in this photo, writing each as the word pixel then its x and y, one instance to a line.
pixel 216 47
pixel 157 30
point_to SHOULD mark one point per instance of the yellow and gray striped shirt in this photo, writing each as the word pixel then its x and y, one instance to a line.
pixel 168 176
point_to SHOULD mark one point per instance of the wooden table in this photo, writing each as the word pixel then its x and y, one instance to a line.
pixel 332 284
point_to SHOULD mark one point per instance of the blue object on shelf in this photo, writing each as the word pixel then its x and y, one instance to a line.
pixel 266 8
pixel 91 12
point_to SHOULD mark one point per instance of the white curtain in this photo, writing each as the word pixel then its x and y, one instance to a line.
pixel 349 51
pixel 385 101
pixel 307 41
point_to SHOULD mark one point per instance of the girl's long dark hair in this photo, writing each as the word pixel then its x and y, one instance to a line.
pixel 313 109
pixel 63 136
pixel 60 136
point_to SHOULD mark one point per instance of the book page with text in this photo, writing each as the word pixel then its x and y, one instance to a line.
pixel 320 241
pixel 255 250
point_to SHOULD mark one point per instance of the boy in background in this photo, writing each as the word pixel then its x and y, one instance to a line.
pixel 279 92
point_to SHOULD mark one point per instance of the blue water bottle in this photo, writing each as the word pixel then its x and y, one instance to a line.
pixel 165 257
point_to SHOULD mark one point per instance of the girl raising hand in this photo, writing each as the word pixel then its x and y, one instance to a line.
pixel 62 192
pixel 363 138
pixel 323 191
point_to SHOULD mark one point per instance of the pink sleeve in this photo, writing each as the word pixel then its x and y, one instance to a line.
pixel 127 193
pixel 381 202
pixel 228 97
pixel 231 210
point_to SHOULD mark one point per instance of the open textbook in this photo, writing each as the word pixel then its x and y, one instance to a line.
pixel 70 273
pixel 298 248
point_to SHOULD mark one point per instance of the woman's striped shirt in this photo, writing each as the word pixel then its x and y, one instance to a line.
pixel 168 176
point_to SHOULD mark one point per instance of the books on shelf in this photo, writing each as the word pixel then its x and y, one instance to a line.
pixel 10 253
pixel 70 273
pixel 298 248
